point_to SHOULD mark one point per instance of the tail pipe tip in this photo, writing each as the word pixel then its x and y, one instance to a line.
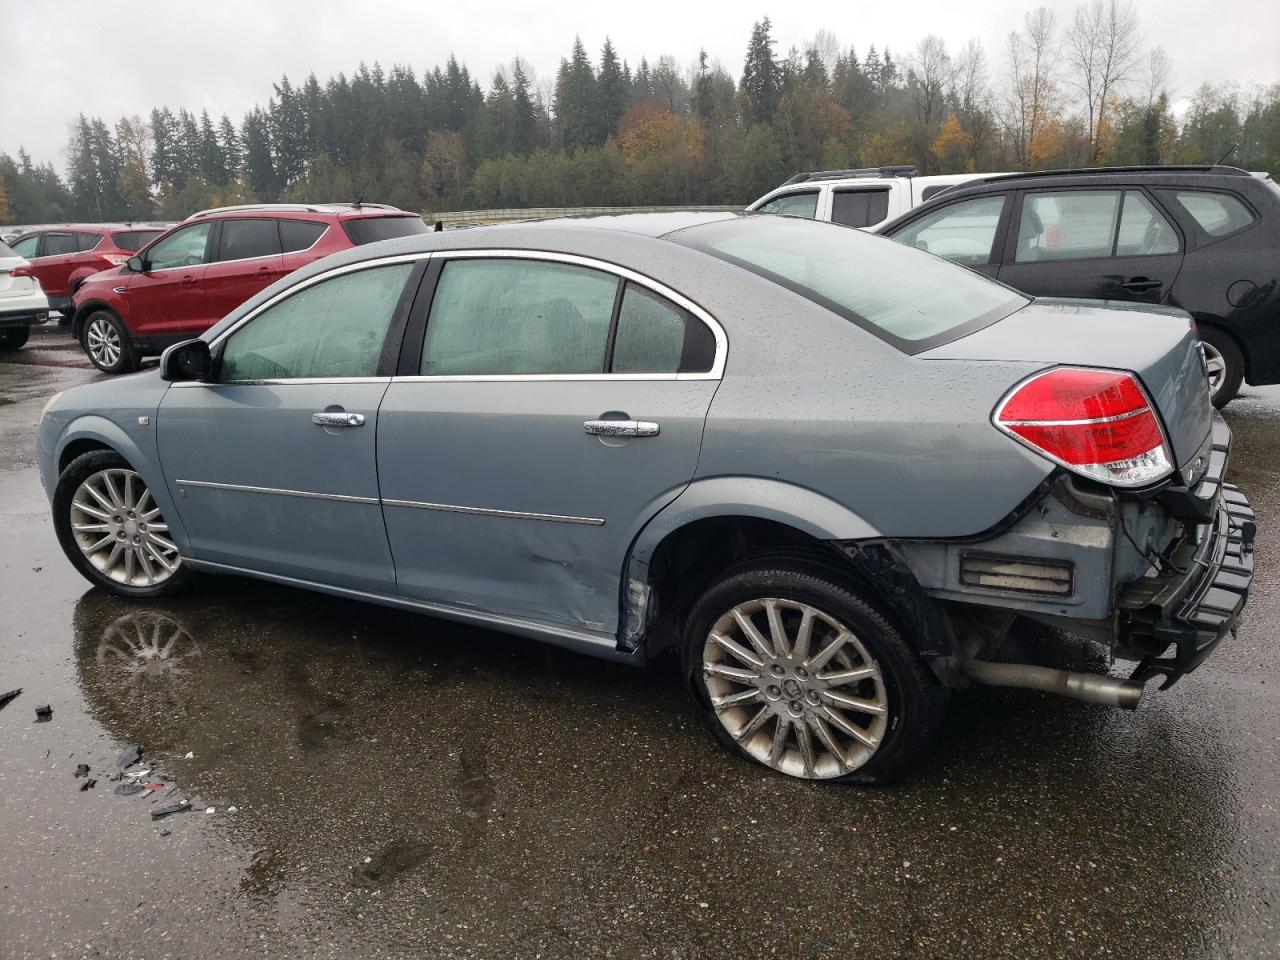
pixel 1089 687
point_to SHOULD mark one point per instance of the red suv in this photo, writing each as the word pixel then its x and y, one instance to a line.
pixel 62 258
pixel 192 276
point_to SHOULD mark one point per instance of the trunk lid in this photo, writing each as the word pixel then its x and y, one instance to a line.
pixel 1156 343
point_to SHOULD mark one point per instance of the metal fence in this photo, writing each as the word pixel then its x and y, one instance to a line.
pixel 460 218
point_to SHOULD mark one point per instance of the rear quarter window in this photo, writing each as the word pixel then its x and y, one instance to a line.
pixel 372 229
pixel 1218 214
pixel 297 235
pixel 134 240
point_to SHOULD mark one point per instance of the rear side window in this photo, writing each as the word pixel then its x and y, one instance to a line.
pixel 134 240
pixel 656 336
pixel 334 328
pixel 793 205
pixel 912 300
pixel 372 229
pixel 248 239
pixel 1067 225
pixel 1144 231
pixel 509 316
pixel 58 244
pixel 298 235
pixel 963 232
pixel 1217 213
pixel 859 208
pixel 87 241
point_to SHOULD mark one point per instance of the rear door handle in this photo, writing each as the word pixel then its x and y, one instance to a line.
pixel 621 428
pixel 1141 285
pixel 325 419
pixel 188 281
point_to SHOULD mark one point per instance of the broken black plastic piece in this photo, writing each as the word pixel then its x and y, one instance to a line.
pixel 88 785
pixel 44 714
pixel 129 789
pixel 172 808
pixel 129 757
pixel 6 697
pixel 82 770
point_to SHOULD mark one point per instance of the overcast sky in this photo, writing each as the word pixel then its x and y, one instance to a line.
pixel 64 57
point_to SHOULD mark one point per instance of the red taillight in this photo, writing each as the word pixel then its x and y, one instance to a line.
pixel 20 272
pixel 1098 423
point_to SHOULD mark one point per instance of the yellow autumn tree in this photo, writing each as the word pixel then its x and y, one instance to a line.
pixel 662 153
pixel 952 145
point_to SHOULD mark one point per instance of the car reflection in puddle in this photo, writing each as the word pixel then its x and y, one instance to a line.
pixel 147 643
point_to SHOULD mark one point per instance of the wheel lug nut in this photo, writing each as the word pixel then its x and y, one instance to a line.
pixel 120 534
pixel 774 692
pixel 812 696
pixel 777 670
pixel 802 673
pixel 137 539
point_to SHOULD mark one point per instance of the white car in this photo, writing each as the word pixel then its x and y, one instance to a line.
pixel 22 302
pixel 865 198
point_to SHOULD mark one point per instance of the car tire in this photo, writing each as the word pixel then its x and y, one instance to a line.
pixel 1225 364
pixel 745 704
pixel 14 339
pixel 122 506
pixel 106 342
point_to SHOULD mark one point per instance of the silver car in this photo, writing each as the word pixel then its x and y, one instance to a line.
pixel 827 471
pixel 22 302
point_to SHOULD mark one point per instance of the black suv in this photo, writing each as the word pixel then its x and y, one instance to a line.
pixel 1206 239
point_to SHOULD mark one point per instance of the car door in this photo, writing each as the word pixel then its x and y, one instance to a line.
pixel 56 260
pixel 166 300
pixel 796 203
pixel 248 259
pixel 968 232
pixel 548 406
pixel 272 464
pixel 1098 243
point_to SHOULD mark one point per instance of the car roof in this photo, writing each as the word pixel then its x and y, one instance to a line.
pixel 326 210
pixel 1107 175
pixel 90 228
pixel 645 224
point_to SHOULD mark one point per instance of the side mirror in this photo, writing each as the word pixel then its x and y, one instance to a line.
pixel 189 360
pixel 134 264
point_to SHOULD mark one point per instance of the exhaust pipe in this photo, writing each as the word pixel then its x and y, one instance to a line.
pixel 1089 687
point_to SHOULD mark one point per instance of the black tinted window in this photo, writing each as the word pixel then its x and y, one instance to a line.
pixel 656 336
pixel 859 208
pixel 297 235
pixel 58 244
pixel 134 239
pixel 87 241
pixel 373 229
pixel 245 239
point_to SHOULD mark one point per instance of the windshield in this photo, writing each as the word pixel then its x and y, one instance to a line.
pixel 371 229
pixel 912 299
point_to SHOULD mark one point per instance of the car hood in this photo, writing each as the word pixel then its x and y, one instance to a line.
pixel 1159 344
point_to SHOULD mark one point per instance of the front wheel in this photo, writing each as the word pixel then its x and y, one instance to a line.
pixel 112 531
pixel 797 672
pixel 14 338
pixel 106 341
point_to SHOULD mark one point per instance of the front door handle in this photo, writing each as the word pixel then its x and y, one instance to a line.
pixel 325 419
pixel 1141 285
pixel 621 428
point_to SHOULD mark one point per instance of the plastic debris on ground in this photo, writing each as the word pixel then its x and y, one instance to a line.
pixel 88 785
pixel 82 770
pixel 6 697
pixel 232 810
pixel 44 714
pixel 165 833
pixel 190 756
pixel 154 786
pixel 209 810
pixel 137 774
pixel 129 757
pixel 182 807
pixel 129 789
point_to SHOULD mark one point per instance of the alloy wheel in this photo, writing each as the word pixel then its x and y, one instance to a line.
pixel 795 688
pixel 119 529
pixel 1215 366
pixel 103 341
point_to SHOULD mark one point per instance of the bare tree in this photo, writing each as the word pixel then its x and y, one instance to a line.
pixel 1030 101
pixel 1155 80
pixel 1102 49
pixel 827 47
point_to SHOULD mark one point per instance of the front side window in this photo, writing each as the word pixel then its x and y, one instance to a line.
pixel 656 336
pixel 182 248
pixel 1144 231
pixel 964 232
pixel 1067 225
pixel 860 208
pixel 248 240
pixel 793 205
pixel 511 316
pixel 26 247
pixel 1217 213
pixel 58 244
pixel 912 300
pixel 334 328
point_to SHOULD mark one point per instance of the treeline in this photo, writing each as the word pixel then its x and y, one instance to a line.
pixel 1080 93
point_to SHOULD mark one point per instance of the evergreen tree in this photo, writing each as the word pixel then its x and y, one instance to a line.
pixel 614 92
pixel 761 77
pixel 577 101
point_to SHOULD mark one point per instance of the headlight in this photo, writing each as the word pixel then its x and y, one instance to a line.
pixel 49 403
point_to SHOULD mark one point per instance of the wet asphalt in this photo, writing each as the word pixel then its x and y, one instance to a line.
pixel 405 787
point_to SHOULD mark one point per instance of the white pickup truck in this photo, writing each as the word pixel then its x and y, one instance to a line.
pixel 863 198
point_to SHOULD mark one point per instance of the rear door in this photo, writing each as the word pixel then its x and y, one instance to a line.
pixel 55 261
pixel 1096 243
pixel 861 207
pixel 549 406
pixel 167 300
pixel 248 259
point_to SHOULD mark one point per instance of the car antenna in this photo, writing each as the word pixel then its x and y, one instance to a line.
pixel 439 226
pixel 360 196
pixel 1230 150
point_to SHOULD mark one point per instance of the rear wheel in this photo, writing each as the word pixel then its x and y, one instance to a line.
pixel 796 672
pixel 1224 363
pixel 106 341
pixel 13 339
